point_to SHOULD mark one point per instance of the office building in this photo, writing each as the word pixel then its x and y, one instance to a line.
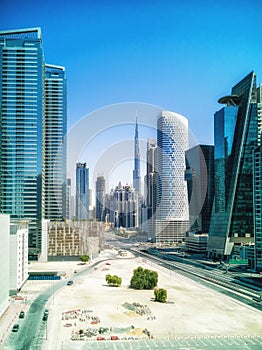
pixel 172 199
pixel 100 198
pixel 32 123
pixel 151 186
pixel 257 183
pixel 237 130
pixel 22 96
pixel 53 146
pixel 82 192
pixel 126 208
pixel 200 180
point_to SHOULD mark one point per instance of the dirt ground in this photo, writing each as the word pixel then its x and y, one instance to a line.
pixel 192 309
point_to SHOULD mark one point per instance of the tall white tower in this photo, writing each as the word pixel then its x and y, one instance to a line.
pixel 172 199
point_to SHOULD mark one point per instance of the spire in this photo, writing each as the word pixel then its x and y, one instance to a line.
pixel 136 171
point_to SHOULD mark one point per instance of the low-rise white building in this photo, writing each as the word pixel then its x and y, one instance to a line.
pixel 4 262
pixel 18 252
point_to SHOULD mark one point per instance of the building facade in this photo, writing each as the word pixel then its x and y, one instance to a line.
pixel 200 180
pixel 5 262
pixel 237 130
pixel 22 110
pixel 151 186
pixel 54 147
pixel 257 184
pixel 33 124
pixel 82 192
pixel 126 207
pixel 100 198
pixel 172 199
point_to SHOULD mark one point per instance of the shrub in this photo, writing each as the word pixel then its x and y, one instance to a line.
pixel 160 295
pixel 143 279
pixel 114 281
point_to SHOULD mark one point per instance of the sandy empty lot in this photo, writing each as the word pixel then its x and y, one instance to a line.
pixel 192 309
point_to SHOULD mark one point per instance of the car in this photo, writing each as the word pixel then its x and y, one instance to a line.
pixel 45 317
pixel 15 327
pixel 108 263
pixel 46 312
pixel 22 314
pixel 69 283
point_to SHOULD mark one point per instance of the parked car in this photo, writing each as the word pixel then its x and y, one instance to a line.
pixel 22 314
pixel 45 317
pixel 15 328
pixel 46 312
pixel 69 283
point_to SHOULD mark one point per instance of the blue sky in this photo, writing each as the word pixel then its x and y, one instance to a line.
pixel 180 55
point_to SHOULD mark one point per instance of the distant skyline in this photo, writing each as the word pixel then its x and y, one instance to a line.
pixel 181 56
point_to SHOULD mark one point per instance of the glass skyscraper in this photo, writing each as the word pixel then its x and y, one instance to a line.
pixel 237 133
pixel 100 198
pixel 28 102
pixel 21 102
pixel 82 191
pixel 54 143
pixel 172 199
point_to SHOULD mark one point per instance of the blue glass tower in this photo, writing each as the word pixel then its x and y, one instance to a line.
pixel 21 132
pixel 82 191
pixel 54 143
pixel 236 137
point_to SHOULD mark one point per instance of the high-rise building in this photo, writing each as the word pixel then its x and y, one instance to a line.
pixel 126 207
pixel 136 171
pixel 100 198
pixel 257 183
pixel 82 191
pixel 151 186
pixel 33 124
pixel 53 146
pixel 22 111
pixel 200 180
pixel 172 200
pixel 237 131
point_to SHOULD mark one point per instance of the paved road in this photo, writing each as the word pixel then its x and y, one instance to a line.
pixel 186 343
pixel 32 329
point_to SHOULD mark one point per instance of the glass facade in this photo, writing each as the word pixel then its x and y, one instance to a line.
pixel 236 136
pixel 54 143
pixel 82 191
pixel 172 199
pixel 32 127
pixel 21 108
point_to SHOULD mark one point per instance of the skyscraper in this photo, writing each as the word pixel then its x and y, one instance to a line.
pixel 200 160
pixel 237 128
pixel 136 171
pixel 53 146
pixel 100 198
pixel 22 110
pixel 33 124
pixel 172 200
pixel 82 191
pixel 151 186
pixel 257 183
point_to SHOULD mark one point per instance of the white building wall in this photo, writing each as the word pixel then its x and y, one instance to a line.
pixel 18 255
pixel 4 262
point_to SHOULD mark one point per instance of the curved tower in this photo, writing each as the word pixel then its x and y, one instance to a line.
pixel 172 200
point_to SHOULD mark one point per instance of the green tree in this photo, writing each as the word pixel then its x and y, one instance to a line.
pixel 143 279
pixel 84 258
pixel 160 295
pixel 114 281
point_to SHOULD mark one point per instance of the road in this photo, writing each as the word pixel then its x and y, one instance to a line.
pixel 33 329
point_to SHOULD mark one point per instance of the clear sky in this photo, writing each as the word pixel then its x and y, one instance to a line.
pixel 180 55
